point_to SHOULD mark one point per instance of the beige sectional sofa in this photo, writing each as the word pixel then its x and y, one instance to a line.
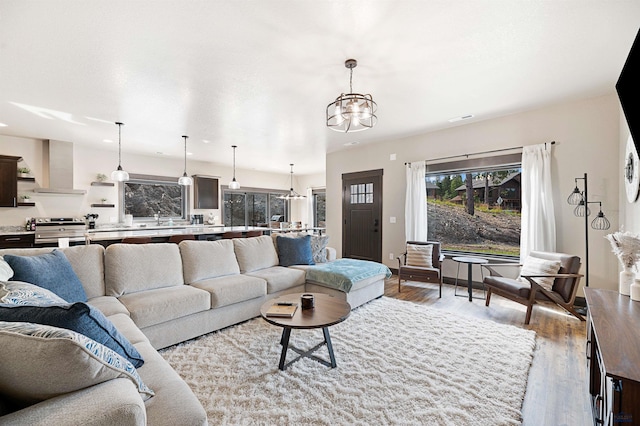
pixel 158 295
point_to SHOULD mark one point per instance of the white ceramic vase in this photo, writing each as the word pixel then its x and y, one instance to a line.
pixel 635 290
pixel 627 277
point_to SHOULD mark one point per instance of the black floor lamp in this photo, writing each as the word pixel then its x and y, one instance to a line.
pixel 600 222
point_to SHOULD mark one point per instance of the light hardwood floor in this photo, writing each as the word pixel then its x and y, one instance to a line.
pixel 557 390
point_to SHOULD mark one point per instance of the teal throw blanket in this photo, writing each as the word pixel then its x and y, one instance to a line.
pixel 341 274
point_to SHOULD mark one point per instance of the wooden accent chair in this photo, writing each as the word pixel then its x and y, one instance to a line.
pixel 253 234
pixel 136 240
pixel 181 237
pixel 562 292
pixel 425 274
pixel 232 234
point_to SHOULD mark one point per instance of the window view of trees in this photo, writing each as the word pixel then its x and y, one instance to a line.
pixel 319 209
pixel 475 211
pixel 251 208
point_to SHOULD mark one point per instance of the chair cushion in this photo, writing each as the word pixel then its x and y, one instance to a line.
pixel 51 271
pixel 420 255
pixel 536 266
pixel 295 251
pixel 509 285
pixel 78 317
pixel 41 362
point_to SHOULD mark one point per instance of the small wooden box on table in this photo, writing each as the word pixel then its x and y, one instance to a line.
pixel 613 357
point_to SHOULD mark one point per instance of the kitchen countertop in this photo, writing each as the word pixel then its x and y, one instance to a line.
pixel 163 231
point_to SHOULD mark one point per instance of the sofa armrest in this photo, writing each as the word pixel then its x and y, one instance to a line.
pixel 109 403
pixel 331 254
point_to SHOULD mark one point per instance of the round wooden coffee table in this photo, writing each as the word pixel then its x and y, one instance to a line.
pixel 327 311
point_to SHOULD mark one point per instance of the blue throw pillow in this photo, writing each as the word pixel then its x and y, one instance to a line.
pixel 295 251
pixel 51 271
pixel 78 317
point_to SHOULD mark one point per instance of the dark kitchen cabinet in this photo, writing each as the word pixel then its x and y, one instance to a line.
pixel 16 240
pixel 9 181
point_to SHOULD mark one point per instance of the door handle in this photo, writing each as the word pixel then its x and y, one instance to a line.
pixel 375 225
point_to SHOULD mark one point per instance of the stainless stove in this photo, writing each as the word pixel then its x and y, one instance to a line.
pixel 49 229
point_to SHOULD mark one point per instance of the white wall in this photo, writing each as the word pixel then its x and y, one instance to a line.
pixel 88 162
pixel 587 140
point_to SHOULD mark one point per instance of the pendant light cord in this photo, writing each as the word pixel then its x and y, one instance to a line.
pixel 119 145
pixel 185 154
pixel 234 161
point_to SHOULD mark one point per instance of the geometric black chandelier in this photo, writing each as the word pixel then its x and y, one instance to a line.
pixel 352 112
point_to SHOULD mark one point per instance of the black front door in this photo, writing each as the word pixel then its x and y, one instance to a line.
pixel 362 215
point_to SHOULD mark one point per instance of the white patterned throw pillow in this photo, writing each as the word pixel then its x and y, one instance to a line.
pixel 5 270
pixel 40 362
pixel 420 255
pixel 20 293
pixel 536 266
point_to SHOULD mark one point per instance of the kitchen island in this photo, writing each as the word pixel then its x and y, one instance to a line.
pixel 159 234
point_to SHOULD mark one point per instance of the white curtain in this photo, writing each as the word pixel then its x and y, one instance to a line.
pixel 538 230
pixel 415 205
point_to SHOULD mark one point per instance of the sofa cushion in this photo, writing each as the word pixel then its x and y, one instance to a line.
pixel 108 305
pixel 78 317
pixel 318 244
pixel 88 263
pixel 153 307
pixel 255 253
pixel 207 259
pixel 19 293
pixel 295 251
pixel 232 289
pixel 5 270
pixel 131 268
pixel 41 362
pixel 280 278
pixel 51 271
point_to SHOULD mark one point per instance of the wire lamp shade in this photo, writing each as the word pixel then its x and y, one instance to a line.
pixel 291 195
pixel 352 112
pixel 234 184
pixel 185 180
pixel 119 175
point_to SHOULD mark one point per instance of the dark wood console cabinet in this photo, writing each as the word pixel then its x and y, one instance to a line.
pixel 613 357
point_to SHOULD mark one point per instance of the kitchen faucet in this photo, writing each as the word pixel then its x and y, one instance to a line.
pixel 158 218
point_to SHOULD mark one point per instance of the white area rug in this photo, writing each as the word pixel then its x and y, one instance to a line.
pixel 398 363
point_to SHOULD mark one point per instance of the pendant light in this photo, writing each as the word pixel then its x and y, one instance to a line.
pixel 291 195
pixel 185 180
pixel 119 175
pixel 234 184
pixel 351 112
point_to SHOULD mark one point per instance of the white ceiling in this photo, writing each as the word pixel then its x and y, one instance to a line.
pixel 260 73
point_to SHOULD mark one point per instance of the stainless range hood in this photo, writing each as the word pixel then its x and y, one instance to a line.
pixel 57 169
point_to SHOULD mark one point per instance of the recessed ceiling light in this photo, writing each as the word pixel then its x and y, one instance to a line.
pixel 189 153
pixel 159 153
pixel 351 143
pixel 3 125
pixel 107 141
pixel 462 117
pixel 205 141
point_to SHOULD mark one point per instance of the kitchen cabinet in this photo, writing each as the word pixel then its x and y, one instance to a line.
pixel 9 181
pixel 16 240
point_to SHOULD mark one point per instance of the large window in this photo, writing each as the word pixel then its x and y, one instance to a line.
pixel 145 196
pixel 252 208
pixel 475 210
pixel 319 208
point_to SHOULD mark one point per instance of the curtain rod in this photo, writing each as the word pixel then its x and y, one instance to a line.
pixel 482 152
